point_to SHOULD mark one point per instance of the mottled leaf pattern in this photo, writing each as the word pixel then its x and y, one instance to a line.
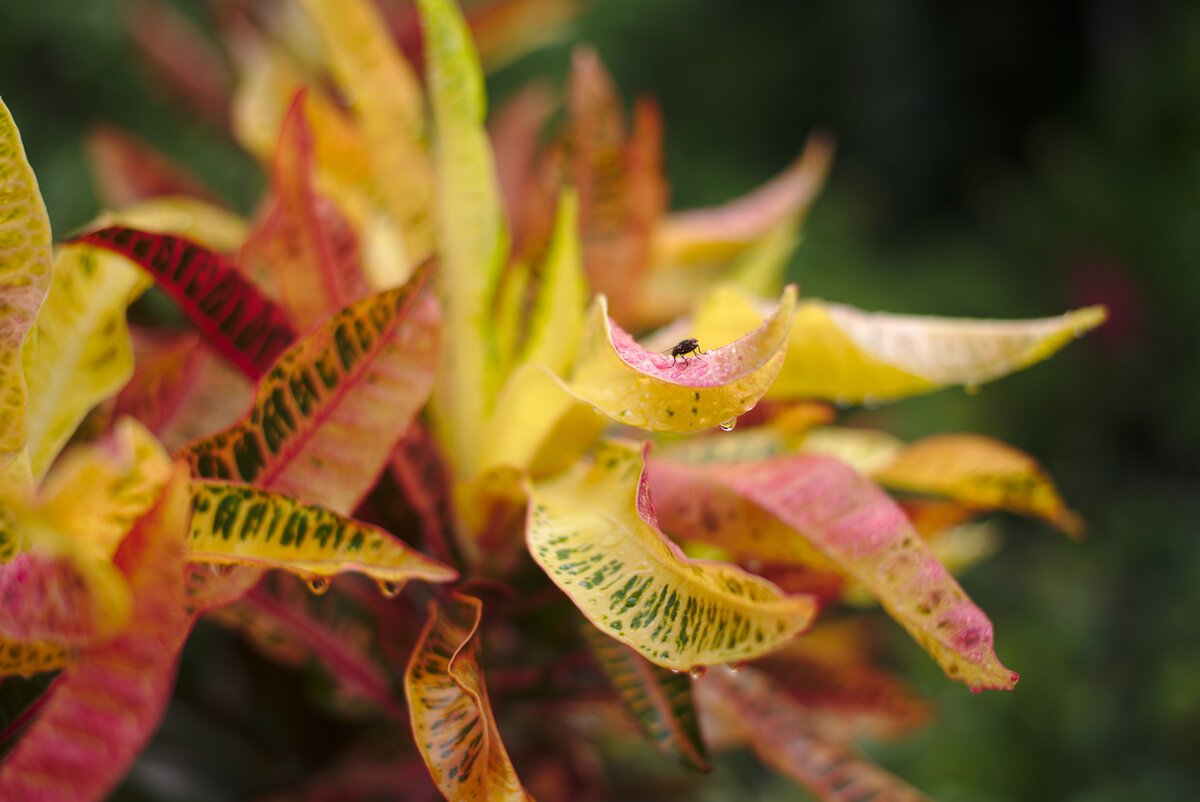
pixel 660 700
pixel 593 530
pixel 451 715
pixel 233 524
pixel 804 507
pixel 327 415
pixel 472 240
pixel 25 658
pixel 24 278
pixel 104 709
pixel 666 393
pixel 48 597
pixel 754 710
pixel 244 326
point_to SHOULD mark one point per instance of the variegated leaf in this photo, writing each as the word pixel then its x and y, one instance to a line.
pixel 233 524
pixel 327 415
pixel 593 530
pixel 239 322
pixel 660 700
pixel 26 658
pixel 754 710
pixel 678 393
pixel 472 240
pixel 452 718
pixel 24 279
pixel 127 170
pixel 103 711
pixel 815 510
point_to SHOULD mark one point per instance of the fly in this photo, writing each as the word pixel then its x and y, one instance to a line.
pixel 684 347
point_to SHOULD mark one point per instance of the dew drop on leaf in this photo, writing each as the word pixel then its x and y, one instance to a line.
pixel 390 590
pixel 696 672
pixel 736 666
pixel 318 584
pixel 727 425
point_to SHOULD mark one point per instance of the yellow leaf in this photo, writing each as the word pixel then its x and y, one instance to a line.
pixel 472 241
pixel 24 279
pixel 666 393
pixel 81 353
pixel 234 524
pixel 557 315
pixel 328 413
pixel 26 659
pixel 864 450
pixel 839 353
pixel 979 472
pixel 594 532
pixel 200 221
pixel 385 96
pixel 452 719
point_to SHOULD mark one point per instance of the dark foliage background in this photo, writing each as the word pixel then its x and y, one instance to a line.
pixel 995 159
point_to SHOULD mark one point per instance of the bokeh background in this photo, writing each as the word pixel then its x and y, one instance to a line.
pixel 994 160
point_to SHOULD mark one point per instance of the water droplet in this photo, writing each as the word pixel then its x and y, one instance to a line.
pixel 736 666
pixel 696 672
pixel 841 401
pixel 972 388
pixel 727 425
pixel 220 570
pixel 870 401
pixel 675 670
pixel 318 584
pixel 754 566
pixel 390 590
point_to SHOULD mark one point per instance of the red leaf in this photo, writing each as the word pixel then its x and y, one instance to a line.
pixel 240 323
pixel 127 169
pixel 104 710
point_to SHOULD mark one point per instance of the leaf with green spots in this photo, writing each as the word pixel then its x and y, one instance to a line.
pixel 979 472
pixel 26 658
pixel 385 97
pixel 236 319
pixel 680 392
pixel 472 240
pixel 593 530
pixel 233 524
pixel 839 353
pixel 24 279
pixel 660 700
pixel 815 510
pixel 452 719
pixel 749 707
pixel 329 412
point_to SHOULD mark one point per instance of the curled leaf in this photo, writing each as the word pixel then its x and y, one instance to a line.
pixel 452 718
pixel 813 509
pixel 327 415
pixel 593 530
pixel 24 279
pixel 671 393
pixel 243 325
pixel 237 525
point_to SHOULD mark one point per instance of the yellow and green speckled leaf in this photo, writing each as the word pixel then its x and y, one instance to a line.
pixel 813 510
pixel 839 353
pixel 979 472
pixel 98 494
pixel 24 279
pixel 594 532
pixel 669 393
pixel 660 700
pixel 385 96
pixel 80 353
pixel 233 524
pixel 472 240
pixel 329 411
pixel 28 658
pixel 452 719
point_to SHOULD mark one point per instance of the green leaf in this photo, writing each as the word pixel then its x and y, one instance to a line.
pixel 594 532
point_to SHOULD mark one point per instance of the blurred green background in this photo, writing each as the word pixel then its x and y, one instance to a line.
pixel 995 160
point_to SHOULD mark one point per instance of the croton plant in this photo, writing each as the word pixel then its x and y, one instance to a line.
pixel 487 371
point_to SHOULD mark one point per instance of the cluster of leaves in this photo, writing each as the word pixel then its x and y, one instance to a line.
pixel 415 364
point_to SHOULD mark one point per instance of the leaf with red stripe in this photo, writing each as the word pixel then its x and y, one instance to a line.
pixel 451 715
pixel 237 320
pixel 104 710
pixel 327 416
